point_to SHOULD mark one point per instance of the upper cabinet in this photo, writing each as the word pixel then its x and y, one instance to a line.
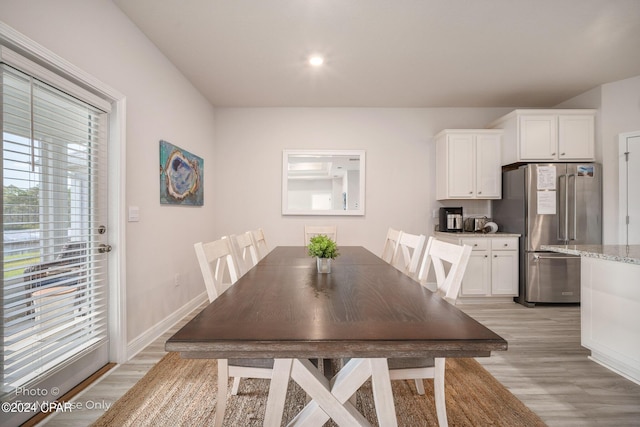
pixel 468 164
pixel 547 135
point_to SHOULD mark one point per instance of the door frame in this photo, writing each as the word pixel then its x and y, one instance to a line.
pixel 622 185
pixel 116 237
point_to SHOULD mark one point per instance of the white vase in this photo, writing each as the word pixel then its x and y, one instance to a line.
pixel 324 265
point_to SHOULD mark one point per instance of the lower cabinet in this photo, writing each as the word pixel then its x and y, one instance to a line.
pixel 492 270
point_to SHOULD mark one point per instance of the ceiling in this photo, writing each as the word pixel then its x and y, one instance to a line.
pixel 394 53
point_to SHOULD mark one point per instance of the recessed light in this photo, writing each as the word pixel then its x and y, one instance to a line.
pixel 316 60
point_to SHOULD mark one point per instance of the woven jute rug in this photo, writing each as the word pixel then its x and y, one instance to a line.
pixel 180 392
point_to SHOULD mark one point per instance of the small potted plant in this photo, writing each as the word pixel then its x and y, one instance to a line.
pixel 324 249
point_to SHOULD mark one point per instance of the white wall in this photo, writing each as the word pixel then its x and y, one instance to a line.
pixel 400 167
pixel 618 105
pixel 161 104
pixel 620 114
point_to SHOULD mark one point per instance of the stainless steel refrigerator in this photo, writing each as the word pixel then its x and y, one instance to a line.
pixel 550 204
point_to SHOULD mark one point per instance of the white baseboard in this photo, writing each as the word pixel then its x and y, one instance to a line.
pixel 150 335
pixel 484 300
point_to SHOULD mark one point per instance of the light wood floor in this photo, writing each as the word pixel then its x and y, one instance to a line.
pixel 545 367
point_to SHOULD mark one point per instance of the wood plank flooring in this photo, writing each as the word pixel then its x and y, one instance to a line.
pixel 545 367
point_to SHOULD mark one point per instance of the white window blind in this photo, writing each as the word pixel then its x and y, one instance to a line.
pixel 54 293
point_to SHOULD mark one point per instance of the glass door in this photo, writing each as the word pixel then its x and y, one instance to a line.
pixel 54 293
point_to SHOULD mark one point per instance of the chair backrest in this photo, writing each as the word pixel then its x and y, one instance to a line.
pixel 331 231
pixel 390 244
pixel 215 258
pixel 448 281
pixel 408 252
pixel 260 242
pixel 245 253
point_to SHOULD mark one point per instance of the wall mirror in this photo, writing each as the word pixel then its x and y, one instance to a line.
pixel 323 182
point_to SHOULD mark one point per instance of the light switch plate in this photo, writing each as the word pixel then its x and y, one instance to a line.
pixel 134 214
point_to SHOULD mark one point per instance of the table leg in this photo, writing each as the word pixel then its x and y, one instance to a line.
pixel 329 402
pixel 348 380
pixel 277 392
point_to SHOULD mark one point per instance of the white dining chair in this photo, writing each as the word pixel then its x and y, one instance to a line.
pixel 408 252
pixel 246 254
pixel 260 242
pixel 331 231
pixel 217 265
pixel 441 255
pixel 215 258
pixel 390 244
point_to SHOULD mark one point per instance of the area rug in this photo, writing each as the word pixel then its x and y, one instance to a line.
pixel 181 392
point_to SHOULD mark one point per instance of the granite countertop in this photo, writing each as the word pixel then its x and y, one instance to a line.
pixel 620 253
pixel 478 234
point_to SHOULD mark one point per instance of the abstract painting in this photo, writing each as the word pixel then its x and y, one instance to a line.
pixel 181 176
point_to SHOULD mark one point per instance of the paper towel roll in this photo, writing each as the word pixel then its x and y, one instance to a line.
pixel 491 227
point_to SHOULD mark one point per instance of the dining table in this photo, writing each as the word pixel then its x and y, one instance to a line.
pixel 363 312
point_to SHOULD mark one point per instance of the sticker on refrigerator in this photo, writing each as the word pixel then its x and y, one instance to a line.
pixel 585 170
pixel 546 177
pixel 546 202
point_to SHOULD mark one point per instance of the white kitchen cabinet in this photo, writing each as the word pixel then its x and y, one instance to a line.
pixel 504 266
pixel 468 164
pixel 547 136
pixel 492 271
pixel 478 268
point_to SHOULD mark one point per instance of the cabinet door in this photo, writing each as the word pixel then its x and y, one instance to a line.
pixel 576 137
pixel 460 166
pixel 477 277
pixel 538 136
pixel 504 273
pixel 488 170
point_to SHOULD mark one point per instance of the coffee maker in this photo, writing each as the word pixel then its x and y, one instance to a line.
pixel 451 220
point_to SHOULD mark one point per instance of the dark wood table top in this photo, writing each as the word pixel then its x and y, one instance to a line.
pixel 283 308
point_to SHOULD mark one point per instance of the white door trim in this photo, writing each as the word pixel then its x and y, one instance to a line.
pixel 622 184
pixel 117 178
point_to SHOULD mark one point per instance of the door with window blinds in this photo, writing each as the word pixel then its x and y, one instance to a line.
pixel 54 293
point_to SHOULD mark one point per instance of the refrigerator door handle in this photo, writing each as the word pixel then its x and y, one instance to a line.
pixel 574 217
pixel 563 216
pixel 539 257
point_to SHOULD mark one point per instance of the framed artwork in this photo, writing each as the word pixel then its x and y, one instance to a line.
pixel 181 176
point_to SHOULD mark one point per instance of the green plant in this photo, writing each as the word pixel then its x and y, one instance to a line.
pixel 322 246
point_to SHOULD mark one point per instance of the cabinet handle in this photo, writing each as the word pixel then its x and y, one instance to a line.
pixel 479 192
pixel 470 192
pixel 506 244
pixel 475 244
pixel 562 154
pixel 495 256
pixel 553 154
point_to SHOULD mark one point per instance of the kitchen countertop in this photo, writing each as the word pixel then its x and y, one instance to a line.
pixel 620 253
pixel 472 234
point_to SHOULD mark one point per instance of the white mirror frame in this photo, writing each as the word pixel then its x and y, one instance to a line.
pixel 322 153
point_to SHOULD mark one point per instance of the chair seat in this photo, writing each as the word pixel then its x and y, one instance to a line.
pixel 252 363
pixel 411 362
pixel 405 362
